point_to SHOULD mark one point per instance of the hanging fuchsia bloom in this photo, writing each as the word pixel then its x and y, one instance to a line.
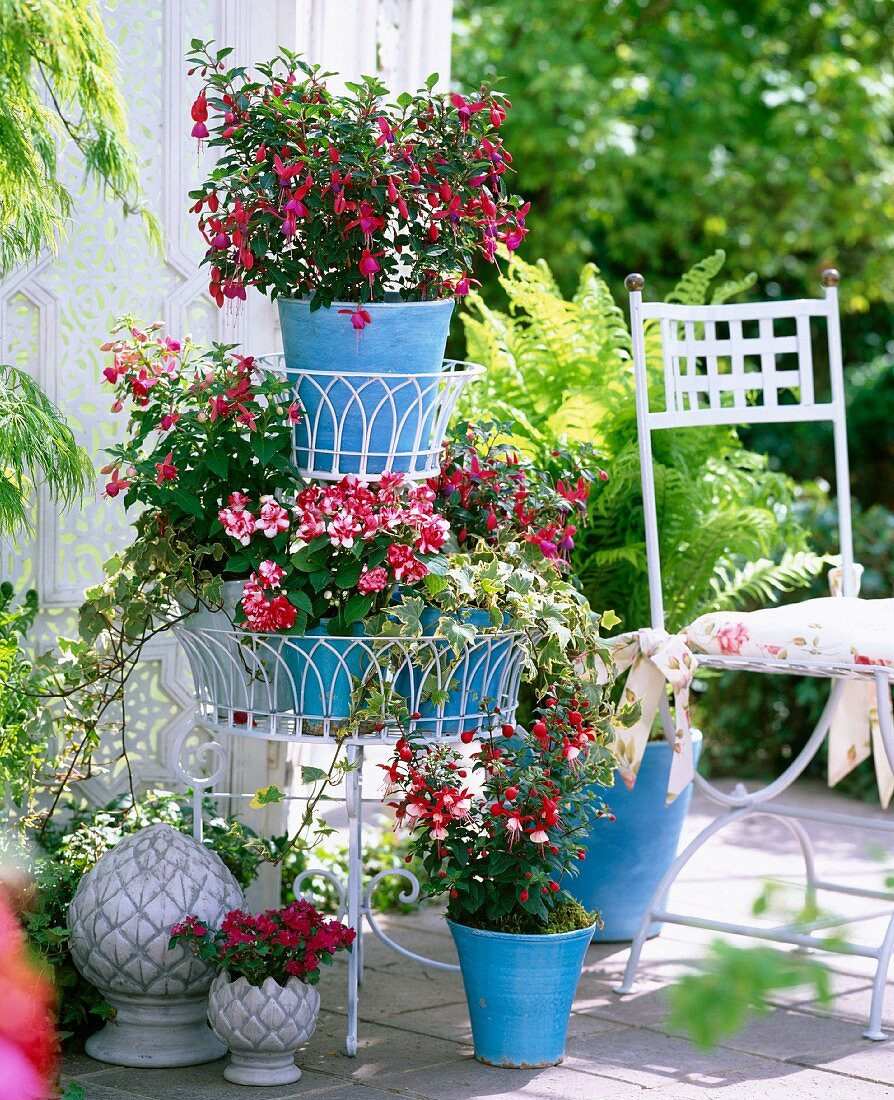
pixel 386 134
pixel 116 485
pixel 465 110
pixel 166 470
pixel 294 412
pixel 369 265
pixel 360 317
pixel 199 113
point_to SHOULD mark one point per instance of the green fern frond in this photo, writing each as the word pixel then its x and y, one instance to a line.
pixel 763 581
pixel 693 287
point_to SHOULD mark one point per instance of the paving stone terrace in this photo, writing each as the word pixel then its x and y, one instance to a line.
pixel 415 1039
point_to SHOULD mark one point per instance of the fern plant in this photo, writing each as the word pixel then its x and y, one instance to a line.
pixel 562 369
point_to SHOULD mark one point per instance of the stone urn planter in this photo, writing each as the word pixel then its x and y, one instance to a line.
pixel 120 921
pixel 262 1026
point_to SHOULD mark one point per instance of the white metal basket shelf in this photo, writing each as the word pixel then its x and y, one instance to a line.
pixel 312 687
pixel 370 424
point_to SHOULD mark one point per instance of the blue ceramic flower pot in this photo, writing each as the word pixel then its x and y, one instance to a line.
pixel 520 990
pixel 324 670
pixel 380 419
pixel 478 674
pixel 628 857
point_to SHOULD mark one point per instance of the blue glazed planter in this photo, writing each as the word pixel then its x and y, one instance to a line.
pixel 628 857
pixel 324 669
pixel 374 413
pixel 479 674
pixel 520 990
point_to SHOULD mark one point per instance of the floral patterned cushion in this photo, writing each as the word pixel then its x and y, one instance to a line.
pixel 832 630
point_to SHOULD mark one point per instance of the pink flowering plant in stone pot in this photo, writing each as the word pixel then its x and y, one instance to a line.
pixel 342 196
pixel 263 1003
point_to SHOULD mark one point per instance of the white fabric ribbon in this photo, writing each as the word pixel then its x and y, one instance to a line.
pixel 655 658
pixel 855 731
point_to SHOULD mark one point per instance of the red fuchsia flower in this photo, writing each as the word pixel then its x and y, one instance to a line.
pixel 369 265
pixel 116 485
pixel 372 580
pixel 360 317
pixel 369 222
pixel 465 110
pixel 539 836
pixel 386 134
pixel 166 470
pixel 273 517
pixel 294 413
pixel 199 114
pixel 169 420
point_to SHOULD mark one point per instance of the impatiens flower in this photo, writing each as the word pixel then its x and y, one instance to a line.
pixel 166 470
pixel 273 517
pixel 238 523
pixel 343 530
pixel 270 574
pixel 372 580
pixel 405 564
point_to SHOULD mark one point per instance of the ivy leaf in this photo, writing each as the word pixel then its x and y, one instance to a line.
pixel 310 774
pixel 266 796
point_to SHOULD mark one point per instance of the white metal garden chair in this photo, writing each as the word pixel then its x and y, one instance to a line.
pixel 730 364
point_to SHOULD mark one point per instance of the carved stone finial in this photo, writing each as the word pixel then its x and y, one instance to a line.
pixel 634 282
pixel 830 276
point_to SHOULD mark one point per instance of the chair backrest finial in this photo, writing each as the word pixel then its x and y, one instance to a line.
pixel 634 281
pixel 830 276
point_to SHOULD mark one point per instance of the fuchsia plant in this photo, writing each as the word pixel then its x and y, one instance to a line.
pixel 500 841
pixel 344 196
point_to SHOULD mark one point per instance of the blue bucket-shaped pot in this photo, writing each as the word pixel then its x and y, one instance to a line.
pixel 628 857
pixel 325 670
pixel 482 672
pixel 520 990
pixel 369 395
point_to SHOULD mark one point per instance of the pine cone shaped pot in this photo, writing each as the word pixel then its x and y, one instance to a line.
pixel 263 1026
pixel 120 921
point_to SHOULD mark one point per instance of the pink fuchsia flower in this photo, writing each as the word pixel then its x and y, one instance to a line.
pixel 539 836
pixel 369 265
pixel 273 518
pixel 238 523
pixel 731 637
pixel 270 574
pixel 199 114
pixel 116 485
pixel 465 110
pixel 372 580
pixel 166 470
pixel 169 420
pixel 294 412
pixel 360 317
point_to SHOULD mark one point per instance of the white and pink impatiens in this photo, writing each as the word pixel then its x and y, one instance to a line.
pixel 335 541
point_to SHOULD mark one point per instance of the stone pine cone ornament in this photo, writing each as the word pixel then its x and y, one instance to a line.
pixel 120 922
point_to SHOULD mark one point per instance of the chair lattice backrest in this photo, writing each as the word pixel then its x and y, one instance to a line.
pixel 737 364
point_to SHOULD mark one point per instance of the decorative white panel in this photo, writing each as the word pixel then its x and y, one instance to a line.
pixel 55 314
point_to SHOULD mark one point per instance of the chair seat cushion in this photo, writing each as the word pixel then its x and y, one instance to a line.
pixel 832 630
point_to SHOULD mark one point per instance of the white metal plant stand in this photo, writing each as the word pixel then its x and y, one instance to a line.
pixel 367 424
pixel 729 364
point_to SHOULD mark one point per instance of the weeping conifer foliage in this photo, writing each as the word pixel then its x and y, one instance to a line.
pixel 558 367
pixel 59 79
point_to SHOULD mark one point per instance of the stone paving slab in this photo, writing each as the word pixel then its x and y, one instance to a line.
pixel 415 1039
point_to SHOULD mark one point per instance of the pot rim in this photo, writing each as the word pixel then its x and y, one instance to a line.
pixel 366 305
pixel 526 937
